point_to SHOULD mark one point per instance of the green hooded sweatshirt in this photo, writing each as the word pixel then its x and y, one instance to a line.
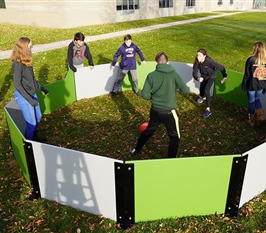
pixel 161 86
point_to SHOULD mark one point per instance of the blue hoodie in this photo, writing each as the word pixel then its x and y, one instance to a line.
pixel 128 56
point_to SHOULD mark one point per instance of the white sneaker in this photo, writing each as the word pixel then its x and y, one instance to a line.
pixel 201 99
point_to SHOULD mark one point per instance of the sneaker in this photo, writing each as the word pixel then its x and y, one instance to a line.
pixel 134 151
pixel 201 99
pixel 111 94
pixel 206 113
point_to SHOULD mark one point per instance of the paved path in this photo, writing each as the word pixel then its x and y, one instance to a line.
pixel 61 44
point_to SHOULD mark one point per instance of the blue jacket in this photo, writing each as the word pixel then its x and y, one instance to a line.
pixel 128 56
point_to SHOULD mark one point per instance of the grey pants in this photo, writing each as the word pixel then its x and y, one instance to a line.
pixel 119 80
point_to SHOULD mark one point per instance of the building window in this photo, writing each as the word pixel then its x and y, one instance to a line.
pixel 127 5
pixel 2 4
pixel 231 2
pixel 190 2
pixel 165 3
pixel 220 2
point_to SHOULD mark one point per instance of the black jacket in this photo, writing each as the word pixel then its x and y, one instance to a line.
pixel 207 69
pixel 254 77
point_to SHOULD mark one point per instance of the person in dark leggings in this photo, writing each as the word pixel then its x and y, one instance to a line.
pixel 161 88
pixel 204 71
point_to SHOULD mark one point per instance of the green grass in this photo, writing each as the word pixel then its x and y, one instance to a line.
pixel 46 35
pixel 228 40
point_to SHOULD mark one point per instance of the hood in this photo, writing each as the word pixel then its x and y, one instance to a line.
pixel 165 68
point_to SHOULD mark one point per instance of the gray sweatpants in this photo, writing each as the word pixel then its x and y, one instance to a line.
pixel 119 80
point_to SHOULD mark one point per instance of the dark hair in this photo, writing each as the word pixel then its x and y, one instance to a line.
pixel 127 37
pixel 161 58
pixel 204 52
pixel 79 36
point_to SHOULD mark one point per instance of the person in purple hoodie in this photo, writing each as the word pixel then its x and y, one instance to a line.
pixel 127 51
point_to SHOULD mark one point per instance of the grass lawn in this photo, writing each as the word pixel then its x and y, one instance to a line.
pixel 228 40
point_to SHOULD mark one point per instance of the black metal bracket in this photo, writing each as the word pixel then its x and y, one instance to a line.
pixel 125 200
pixel 235 186
pixel 32 171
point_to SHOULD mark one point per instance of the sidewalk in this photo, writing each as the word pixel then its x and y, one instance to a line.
pixel 61 44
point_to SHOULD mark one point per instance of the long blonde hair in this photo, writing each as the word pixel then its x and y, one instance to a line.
pixel 259 54
pixel 21 51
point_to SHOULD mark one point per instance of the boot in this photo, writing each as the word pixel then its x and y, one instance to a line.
pixel 251 120
pixel 259 115
pixel 38 138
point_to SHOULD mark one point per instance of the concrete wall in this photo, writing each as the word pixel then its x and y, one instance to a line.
pixel 68 14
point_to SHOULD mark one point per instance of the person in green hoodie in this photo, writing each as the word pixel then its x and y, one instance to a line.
pixel 161 88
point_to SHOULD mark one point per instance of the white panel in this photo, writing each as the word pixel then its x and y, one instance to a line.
pixel 100 80
pixel 81 180
pixel 94 82
pixel 185 72
pixel 255 175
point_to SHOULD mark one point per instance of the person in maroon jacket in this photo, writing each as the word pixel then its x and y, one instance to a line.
pixel 204 71
pixel 127 51
pixel 254 82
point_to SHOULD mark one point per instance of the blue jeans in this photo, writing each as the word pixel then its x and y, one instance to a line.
pixel 31 114
pixel 254 101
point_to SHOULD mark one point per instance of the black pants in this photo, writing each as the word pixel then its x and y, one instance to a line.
pixel 170 121
pixel 205 90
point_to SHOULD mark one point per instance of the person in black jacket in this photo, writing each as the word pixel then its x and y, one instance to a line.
pixel 204 71
pixel 254 81
pixel 26 86
pixel 77 51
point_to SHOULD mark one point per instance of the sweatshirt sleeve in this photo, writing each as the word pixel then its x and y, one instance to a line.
pixel 139 52
pixel 146 91
pixel 247 74
pixel 195 71
pixel 70 56
pixel 181 85
pixel 220 67
pixel 117 54
pixel 88 55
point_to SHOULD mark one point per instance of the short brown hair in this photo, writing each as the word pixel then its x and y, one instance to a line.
pixel 127 37
pixel 161 58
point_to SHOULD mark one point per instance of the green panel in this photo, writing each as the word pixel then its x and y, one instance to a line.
pixel 181 187
pixel 17 139
pixel 61 93
pixel 231 90
pixel 142 71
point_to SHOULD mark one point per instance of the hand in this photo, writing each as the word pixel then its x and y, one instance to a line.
pixel 200 79
pixel 223 80
pixel 112 67
pixel 91 67
pixel 34 103
pixel 45 91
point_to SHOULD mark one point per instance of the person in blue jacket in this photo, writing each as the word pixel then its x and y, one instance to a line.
pixel 127 51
